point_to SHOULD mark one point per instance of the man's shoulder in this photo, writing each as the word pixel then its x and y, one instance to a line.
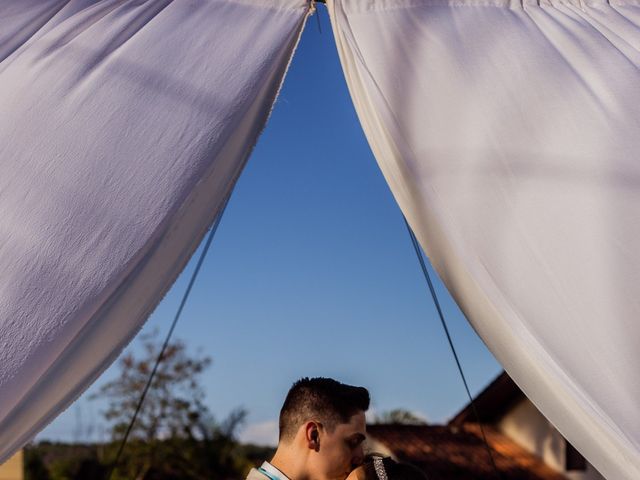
pixel 255 474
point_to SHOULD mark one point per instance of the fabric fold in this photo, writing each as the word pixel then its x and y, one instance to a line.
pixel 124 128
pixel 507 132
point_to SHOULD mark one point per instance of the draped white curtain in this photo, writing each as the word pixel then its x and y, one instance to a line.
pixel 123 127
pixel 509 133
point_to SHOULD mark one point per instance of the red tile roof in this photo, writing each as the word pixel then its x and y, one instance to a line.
pixel 458 452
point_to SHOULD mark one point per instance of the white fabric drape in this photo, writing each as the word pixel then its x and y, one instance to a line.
pixel 509 133
pixel 123 127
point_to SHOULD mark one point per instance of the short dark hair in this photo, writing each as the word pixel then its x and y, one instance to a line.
pixel 322 399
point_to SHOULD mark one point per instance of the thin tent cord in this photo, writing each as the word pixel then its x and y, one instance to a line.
pixel 427 277
pixel 212 233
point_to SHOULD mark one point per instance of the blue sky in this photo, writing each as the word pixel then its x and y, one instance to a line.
pixel 312 273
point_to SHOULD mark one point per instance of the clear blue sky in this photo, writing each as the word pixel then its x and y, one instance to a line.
pixel 312 273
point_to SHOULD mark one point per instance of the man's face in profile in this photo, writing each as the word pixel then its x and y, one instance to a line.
pixel 340 449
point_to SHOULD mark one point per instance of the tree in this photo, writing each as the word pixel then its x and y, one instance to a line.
pixel 399 416
pixel 175 435
pixel 62 461
pixel 174 403
pixel 34 467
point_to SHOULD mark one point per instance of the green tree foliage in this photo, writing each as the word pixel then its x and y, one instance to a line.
pixel 175 435
pixel 34 467
pixel 174 404
pixel 399 416
pixel 77 468
pixel 61 461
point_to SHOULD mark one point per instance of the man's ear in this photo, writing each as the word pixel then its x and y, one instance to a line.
pixel 312 435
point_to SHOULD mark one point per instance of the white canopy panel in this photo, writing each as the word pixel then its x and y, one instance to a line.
pixel 123 127
pixel 509 133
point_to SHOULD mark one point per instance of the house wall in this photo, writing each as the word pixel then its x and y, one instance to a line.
pixel 12 469
pixel 525 425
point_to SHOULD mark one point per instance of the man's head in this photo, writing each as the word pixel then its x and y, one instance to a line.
pixel 323 421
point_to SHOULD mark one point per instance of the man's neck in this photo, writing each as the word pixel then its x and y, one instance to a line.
pixel 290 464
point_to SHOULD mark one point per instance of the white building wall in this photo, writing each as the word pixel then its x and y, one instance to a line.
pixel 525 425
pixel 12 468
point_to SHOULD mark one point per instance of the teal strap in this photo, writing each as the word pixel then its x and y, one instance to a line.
pixel 264 472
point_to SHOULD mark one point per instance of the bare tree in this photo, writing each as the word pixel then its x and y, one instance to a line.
pixel 399 416
pixel 175 435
